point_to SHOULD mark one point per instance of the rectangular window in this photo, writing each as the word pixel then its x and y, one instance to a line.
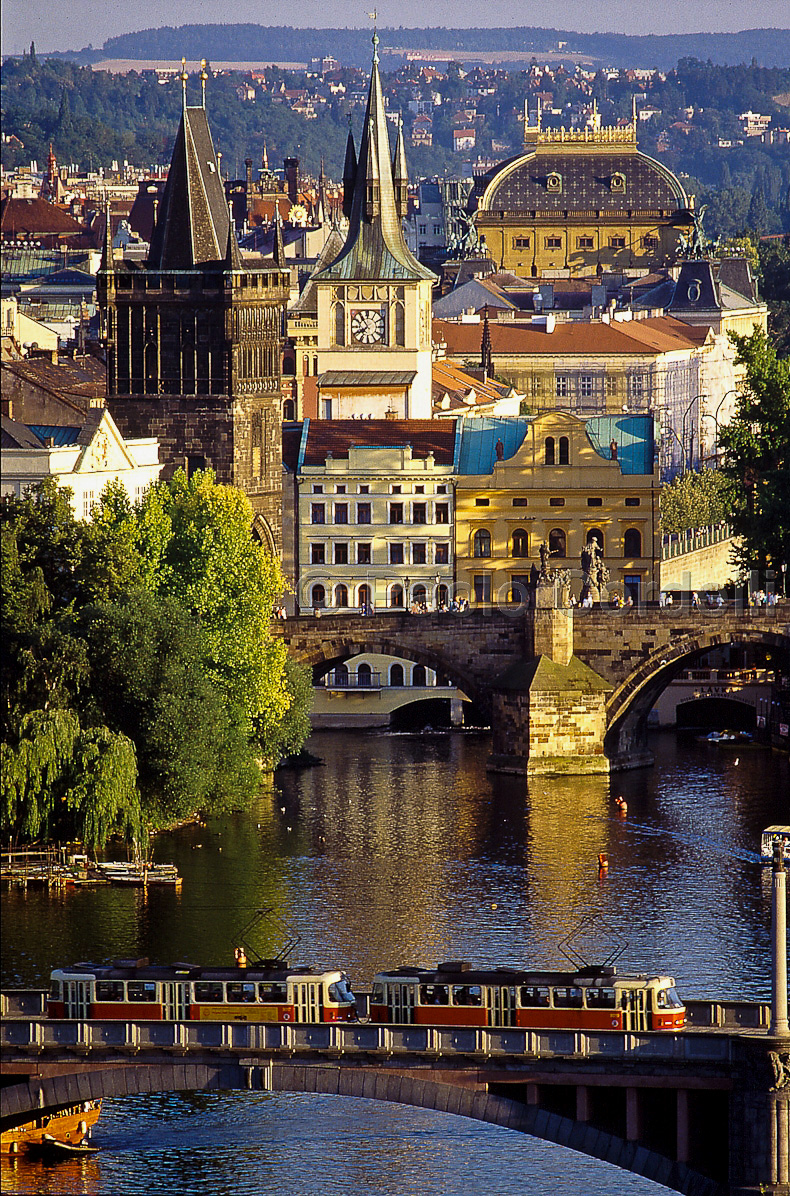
pixel 363 554
pixel 209 990
pixel 442 512
pixel 632 501
pixel 556 502
pixel 396 512
pixel 596 502
pixel 611 384
pixel 241 991
pixel 395 489
pixel 561 386
pixel 585 243
pixel 649 242
pixel 519 502
pixel 317 512
pixel 586 386
pixel 482 502
pixel 396 554
pixel 521 242
pixel 318 488
pixel 273 993
pixel 317 554
pixel 341 554
pixel 419 489
pixel 637 385
pixel 418 512
pixel 442 554
pixel 482 585
pixel 363 512
pixel 364 489
pixel 109 990
pixel 441 489
pixel 553 242
pixel 341 512
pixel 418 554
pixel 617 242
pixel 340 489
pixel 87 504
pixel 141 990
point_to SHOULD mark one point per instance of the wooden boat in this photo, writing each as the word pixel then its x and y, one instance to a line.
pixel 70 1128
pixel 133 872
pixel 771 835
pixel 53 1148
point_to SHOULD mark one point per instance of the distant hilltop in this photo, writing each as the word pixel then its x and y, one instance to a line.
pixel 351 47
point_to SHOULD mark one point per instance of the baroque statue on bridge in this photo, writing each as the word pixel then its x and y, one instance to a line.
pixel 596 574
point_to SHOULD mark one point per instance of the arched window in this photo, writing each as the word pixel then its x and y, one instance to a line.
pixel 442 596
pixel 418 675
pixel 419 595
pixel 289 364
pixel 549 457
pixel 341 674
pixel 400 324
pixel 632 542
pixel 364 674
pixel 289 411
pixel 340 324
pixel 396 674
pixel 396 596
pixel 341 595
pixel 557 542
pixel 318 596
pixel 151 366
pixel 565 455
pixel 595 534
pixel 482 543
pixel 363 597
pixel 306 365
pixel 315 365
pixel 520 542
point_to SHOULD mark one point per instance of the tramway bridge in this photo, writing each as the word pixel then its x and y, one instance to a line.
pixel 705 1112
pixel 566 690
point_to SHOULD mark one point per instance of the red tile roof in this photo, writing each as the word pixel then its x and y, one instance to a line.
pixel 36 217
pixel 336 436
pixel 662 334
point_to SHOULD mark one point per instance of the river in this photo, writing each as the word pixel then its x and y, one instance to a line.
pixel 402 849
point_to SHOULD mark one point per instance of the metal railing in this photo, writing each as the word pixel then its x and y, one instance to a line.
pixel 339 679
pixel 679 543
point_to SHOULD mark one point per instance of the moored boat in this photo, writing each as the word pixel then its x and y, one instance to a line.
pixel 770 836
pixel 70 1129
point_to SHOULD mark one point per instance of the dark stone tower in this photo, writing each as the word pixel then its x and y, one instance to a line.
pixel 194 337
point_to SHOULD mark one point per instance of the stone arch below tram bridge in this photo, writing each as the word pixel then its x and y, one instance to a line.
pixel 467 1097
pixel 337 648
pixel 628 706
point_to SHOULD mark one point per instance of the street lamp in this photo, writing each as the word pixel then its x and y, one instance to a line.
pixel 672 432
pixel 407 583
pixel 715 416
pixel 683 432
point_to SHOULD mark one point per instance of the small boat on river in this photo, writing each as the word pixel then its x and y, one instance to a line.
pixel 136 872
pixel 771 835
pixel 66 1132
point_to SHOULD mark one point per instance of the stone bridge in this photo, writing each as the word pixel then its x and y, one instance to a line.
pixel 567 690
pixel 705 1112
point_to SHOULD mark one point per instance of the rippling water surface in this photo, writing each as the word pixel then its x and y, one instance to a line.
pixel 402 849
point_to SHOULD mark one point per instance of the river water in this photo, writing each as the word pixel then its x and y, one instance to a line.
pixel 402 849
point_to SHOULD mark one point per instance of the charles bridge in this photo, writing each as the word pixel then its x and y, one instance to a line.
pixel 705 1111
pixel 566 690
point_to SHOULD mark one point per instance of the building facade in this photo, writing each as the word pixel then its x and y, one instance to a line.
pixel 579 202
pixel 561 481
pixel 194 336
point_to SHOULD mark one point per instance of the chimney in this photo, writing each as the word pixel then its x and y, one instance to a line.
pixel 292 178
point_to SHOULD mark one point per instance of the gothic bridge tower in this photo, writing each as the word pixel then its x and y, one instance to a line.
pixel 194 335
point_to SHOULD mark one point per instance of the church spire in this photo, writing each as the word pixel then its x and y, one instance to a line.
pixel 400 176
pixel 279 246
pixel 349 172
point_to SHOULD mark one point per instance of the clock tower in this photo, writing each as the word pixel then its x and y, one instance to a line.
pixel 371 303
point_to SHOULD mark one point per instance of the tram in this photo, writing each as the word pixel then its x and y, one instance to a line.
pixel 133 989
pixel 592 998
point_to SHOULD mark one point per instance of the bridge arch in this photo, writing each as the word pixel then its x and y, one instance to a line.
pixel 22 1101
pixel 631 701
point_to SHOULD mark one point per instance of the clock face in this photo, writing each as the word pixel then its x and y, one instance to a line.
pixel 367 325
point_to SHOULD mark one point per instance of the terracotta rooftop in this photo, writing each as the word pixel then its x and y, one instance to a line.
pixel 662 334
pixel 337 436
pixel 36 218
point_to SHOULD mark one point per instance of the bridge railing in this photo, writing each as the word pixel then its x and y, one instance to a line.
pixel 348 1039
pixel 679 543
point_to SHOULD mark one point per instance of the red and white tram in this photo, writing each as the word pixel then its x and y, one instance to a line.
pixel 130 989
pixel 592 998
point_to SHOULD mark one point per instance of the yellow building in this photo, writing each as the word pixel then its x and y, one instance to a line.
pixel 564 481
pixel 579 202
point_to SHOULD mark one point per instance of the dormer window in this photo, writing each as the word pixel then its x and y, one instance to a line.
pixel 554 183
pixel 617 183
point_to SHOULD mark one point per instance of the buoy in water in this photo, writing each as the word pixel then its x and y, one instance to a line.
pixel 603 861
pixel 622 805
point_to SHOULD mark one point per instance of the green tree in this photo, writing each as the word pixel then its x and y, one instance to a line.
pixel 756 446
pixel 695 500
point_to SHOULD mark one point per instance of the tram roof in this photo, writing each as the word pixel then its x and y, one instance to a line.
pixel 601 977
pixel 123 970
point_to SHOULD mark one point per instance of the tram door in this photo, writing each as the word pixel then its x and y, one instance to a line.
pixel 76 996
pixel 175 1001
pixel 502 1006
pixel 634 1009
pixel 308 1002
pixel 401 1004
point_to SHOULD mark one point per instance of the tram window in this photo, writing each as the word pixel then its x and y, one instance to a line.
pixel 241 992
pixel 109 990
pixel 54 990
pixel 340 990
pixel 272 992
pixel 209 990
pixel 467 994
pixel 600 998
pixel 673 998
pixel 141 990
pixel 534 997
pixel 377 996
pixel 434 994
pixel 568 998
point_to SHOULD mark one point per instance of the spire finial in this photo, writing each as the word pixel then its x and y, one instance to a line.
pixel 374 18
pixel 184 76
pixel 203 77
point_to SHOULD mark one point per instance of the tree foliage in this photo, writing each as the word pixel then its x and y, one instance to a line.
pixel 695 500
pixel 141 679
pixel 756 446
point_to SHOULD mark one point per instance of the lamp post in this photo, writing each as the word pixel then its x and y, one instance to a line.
pixel 407 583
pixel 668 428
pixel 683 431
pixel 715 416
pixel 436 579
